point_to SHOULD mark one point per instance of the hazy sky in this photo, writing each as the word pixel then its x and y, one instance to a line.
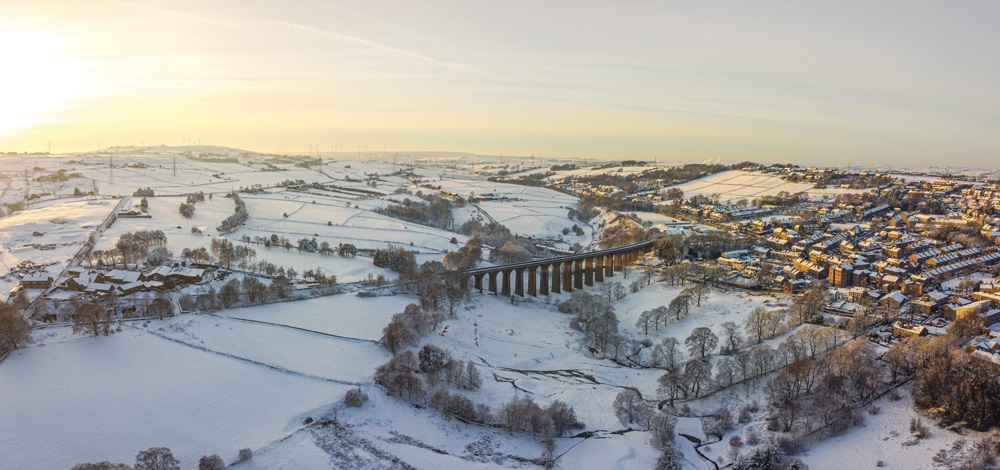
pixel 810 82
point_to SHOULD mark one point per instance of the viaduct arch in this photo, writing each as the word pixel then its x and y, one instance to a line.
pixel 556 275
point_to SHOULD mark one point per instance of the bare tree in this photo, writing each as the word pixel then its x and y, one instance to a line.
pixel 667 355
pixel 93 319
pixel 701 342
pixel 631 409
pixel 156 458
pixel 732 338
pixel 160 306
pixel 680 306
pixel 106 465
pixel 211 462
pixel 672 386
pixel 698 375
pixel 699 292
pixel 773 321
pixel 608 290
pixel 15 329
pixel 756 323
pixel 563 418
pixel 398 334
pixel 229 294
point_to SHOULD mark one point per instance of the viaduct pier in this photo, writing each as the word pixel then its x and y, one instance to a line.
pixel 559 274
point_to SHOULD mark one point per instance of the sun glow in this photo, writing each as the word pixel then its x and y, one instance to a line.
pixel 37 79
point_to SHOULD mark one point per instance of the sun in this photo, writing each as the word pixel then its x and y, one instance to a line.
pixel 37 78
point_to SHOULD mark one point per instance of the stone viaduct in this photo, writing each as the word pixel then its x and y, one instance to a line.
pixel 559 274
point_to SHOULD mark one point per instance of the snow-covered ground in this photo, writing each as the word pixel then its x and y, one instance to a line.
pixel 250 377
pixel 734 185
pixel 884 437
pixel 91 399
pixel 63 228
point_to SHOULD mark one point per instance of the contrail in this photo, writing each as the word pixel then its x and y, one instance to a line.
pixel 364 42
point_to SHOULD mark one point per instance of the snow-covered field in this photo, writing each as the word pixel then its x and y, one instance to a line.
pixel 250 377
pixel 884 437
pixel 527 211
pixel 64 228
pixel 88 399
pixel 734 185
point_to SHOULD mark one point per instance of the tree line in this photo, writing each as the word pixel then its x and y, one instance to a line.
pixel 240 215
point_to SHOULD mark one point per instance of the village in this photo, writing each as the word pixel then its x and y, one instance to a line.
pixel 922 270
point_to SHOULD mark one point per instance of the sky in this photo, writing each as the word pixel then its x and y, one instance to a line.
pixel 820 83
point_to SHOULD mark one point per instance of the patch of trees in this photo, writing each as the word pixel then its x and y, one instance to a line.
pixel 426 377
pixel 58 177
pixel 694 377
pixel 491 234
pixel 782 199
pixel 161 458
pixel 538 179
pixel 589 207
pixel 404 329
pixel 512 252
pixel 186 210
pixel 355 398
pixel 92 319
pixel 524 415
pixel 634 182
pixel 768 457
pixel 464 258
pixel 160 307
pixel 624 231
pixel 159 255
pixel 281 287
pixel 197 255
pixel 196 197
pixel 635 412
pixel 954 385
pixel 132 247
pixel 15 329
pixel 396 259
pixel 825 392
pixel 227 253
pixel 144 192
pixel 254 288
pixel 344 249
pixel 240 215
pixel 596 319
pixel 436 212
pixel 290 182
pixel 678 309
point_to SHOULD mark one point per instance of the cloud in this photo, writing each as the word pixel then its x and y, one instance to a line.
pixel 327 34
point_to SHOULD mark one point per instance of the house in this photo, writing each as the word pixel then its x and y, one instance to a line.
pixel 120 276
pixel 856 294
pixel 890 282
pixel 924 307
pixel 907 329
pixel 972 308
pixel 36 281
pixel 129 288
pixel 893 300
pixel 158 273
pixel 99 288
pixel 81 281
pixel 181 275
pixel 792 286
pixel 990 346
